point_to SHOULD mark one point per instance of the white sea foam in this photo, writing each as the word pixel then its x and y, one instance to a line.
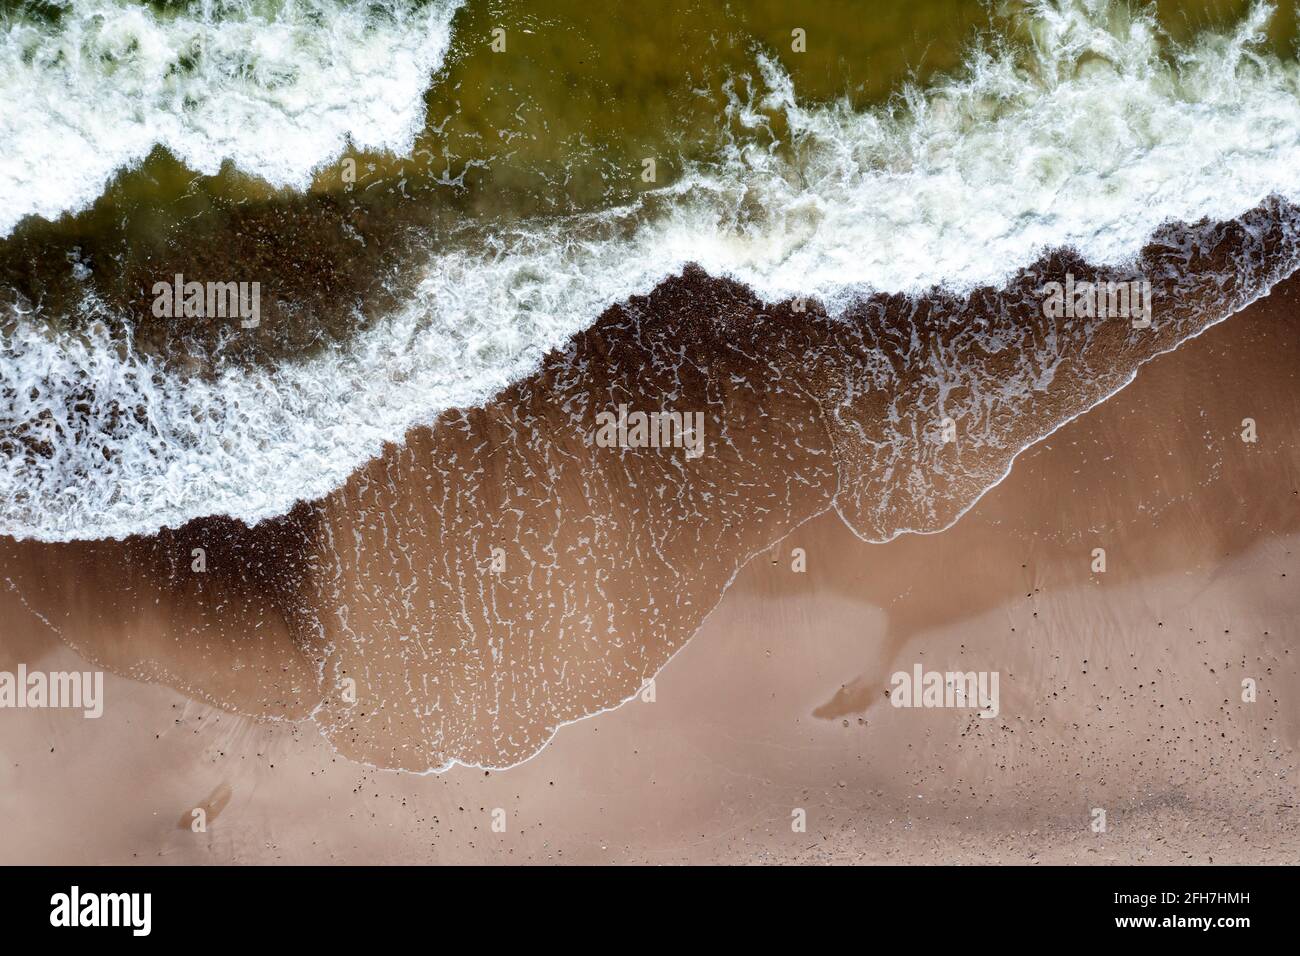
pixel 276 87
pixel 1098 144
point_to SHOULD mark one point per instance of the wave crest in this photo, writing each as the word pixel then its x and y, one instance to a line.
pixel 90 87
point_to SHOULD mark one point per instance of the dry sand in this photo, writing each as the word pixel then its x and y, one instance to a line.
pixel 1119 691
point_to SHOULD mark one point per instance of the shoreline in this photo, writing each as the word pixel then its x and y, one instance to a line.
pixel 388 591
pixel 749 717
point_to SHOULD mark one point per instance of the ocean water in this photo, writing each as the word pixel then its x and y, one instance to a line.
pixel 428 217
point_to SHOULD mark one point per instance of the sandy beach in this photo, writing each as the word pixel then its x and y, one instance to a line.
pixel 1120 690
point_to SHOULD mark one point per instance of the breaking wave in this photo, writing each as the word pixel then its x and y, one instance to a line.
pixel 1091 138
pixel 276 87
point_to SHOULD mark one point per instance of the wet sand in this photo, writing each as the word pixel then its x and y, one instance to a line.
pixel 1120 691
pixel 501 574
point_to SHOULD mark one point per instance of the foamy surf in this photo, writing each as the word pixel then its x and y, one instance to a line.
pixel 89 88
pixel 1103 136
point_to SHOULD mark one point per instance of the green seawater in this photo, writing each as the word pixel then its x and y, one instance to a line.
pixel 562 120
